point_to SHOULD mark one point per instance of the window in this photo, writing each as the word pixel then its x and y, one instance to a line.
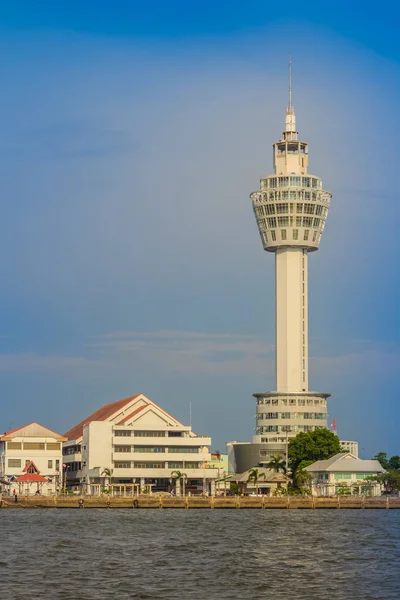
pixel 296 181
pixel 149 449
pixel 269 209
pixel 175 465
pixel 314 237
pixel 122 465
pixel 299 208
pixel 283 181
pixel 295 234
pixel 309 209
pixel 283 221
pixel 49 464
pixel 149 465
pixel 282 208
pixel 57 465
pixel 271 222
pixel 122 433
pixel 14 445
pixel 318 210
pixel 283 234
pixel 305 182
pixel 191 465
pixel 273 236
pixel 272 182
pixel 306 233
pixel 149 433
pixel 342 475
pixel 122 448
pixel 34 446
pixel 181 449
pixel 53 446
pixel 14 462
pixel 271 415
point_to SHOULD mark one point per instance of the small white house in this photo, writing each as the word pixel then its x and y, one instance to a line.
pixel 344 473
pixel 31 460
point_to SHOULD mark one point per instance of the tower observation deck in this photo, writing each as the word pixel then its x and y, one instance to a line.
pixel 291 209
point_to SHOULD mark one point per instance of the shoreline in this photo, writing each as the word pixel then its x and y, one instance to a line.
pixel 191 502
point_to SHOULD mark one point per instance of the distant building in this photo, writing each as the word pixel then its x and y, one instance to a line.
pixel 344 473
pixel 348 446
pixel 268 481
pixel 133 444
pixel 31 460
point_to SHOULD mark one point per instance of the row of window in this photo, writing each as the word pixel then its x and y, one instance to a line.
pixel 292 148
pixel 273 222
pixel 261 196
pixel 16 463
pixel 292 415
pixel 290 207
pixel 155 465
pixel 33 446
pixel 271 236
pixel 129 433
pixel 156 449
pixel 72 450
pixel 292 181
pixel 292 401
pixel 284 428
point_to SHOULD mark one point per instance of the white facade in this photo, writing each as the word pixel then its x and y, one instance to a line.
pixel 344 474
pixel 133 445
pixel 36 444
pixel 349 446
pixel 291 208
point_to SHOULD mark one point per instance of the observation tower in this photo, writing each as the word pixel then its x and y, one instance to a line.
pixel 291 209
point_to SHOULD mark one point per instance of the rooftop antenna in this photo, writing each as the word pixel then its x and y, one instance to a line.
pixel 190 415
pixel 290 81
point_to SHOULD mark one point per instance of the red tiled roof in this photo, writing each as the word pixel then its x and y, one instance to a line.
pixel 31 478
pixel 30 464
pixel 18 428
pixel 102 414
pixel 132 414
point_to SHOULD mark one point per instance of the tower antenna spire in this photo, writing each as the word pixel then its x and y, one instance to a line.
pixel 290 81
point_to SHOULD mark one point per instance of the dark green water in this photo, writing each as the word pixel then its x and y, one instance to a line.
pixel 204 554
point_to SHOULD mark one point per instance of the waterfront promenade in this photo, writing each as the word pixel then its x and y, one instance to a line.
pixel 191 502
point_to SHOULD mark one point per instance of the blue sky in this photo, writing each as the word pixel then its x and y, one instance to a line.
pixel 131 138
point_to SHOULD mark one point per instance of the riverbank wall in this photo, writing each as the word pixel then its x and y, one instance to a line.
pixel 191 502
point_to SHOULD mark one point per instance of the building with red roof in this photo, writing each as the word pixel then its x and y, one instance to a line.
pixel 31 460
pixel 134 444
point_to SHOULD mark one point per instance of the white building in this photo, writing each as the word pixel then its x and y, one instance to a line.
pixel 291 208
pixel 133 445
pixel 344 474
pixel 349 446
pixel 31 460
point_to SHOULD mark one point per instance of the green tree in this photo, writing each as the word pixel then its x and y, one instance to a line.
pixel 394 462
pixel 107 473
pixel 309 447
pixel 276 463
pixel 390 480
pixel 255 475
pixel 383 459
pixel 178 475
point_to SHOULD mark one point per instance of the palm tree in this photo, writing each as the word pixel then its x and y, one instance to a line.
pixel 254 475
pixel 178 475
pixel 277 464
pixel 107 472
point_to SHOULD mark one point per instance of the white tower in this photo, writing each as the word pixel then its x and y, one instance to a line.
pixel 291 209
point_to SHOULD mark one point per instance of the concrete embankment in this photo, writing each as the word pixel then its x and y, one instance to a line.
pixel 195 502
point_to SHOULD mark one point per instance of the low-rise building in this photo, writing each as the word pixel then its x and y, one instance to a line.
pixel 344 473
pixel 134 445
pixel 267 482
pixel 31 460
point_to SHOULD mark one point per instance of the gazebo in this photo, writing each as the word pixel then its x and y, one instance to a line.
pixel 30 477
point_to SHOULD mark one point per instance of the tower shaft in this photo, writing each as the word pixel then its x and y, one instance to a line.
pixel 291 320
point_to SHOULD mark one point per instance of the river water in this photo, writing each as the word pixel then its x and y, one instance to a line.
pixel 205 554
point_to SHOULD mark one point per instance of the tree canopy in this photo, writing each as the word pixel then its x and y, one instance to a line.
pixel 311 446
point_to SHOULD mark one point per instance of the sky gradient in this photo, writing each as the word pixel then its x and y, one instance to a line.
pixel 131 140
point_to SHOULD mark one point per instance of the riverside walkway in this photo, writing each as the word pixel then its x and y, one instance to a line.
pixel 192 502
